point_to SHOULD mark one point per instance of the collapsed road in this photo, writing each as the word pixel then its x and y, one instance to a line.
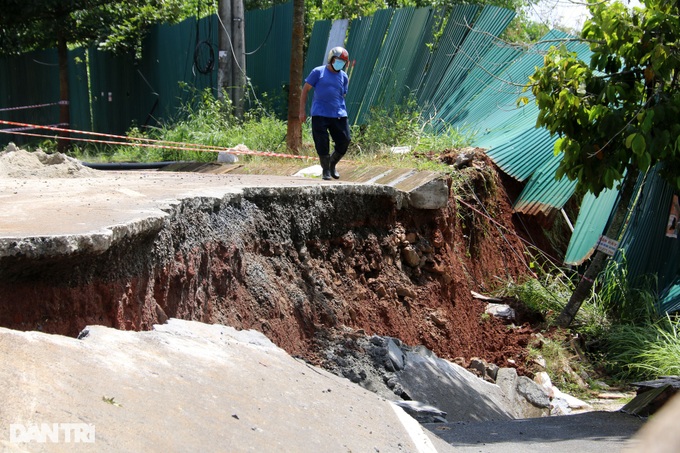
pixel 306 262
pixel 288 256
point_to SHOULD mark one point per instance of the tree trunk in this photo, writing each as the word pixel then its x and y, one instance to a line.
pixel 597 265
pixel 294 132
pixel 64 107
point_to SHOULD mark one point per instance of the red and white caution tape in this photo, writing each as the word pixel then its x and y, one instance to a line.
pixel 35 106
pixel 150 143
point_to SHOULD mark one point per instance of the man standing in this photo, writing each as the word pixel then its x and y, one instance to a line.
pixel 329 112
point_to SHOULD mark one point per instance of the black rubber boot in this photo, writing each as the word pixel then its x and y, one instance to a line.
pixel 325 167
pixel 335 158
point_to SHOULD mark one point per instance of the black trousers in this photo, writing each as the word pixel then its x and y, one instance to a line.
pixel 338 128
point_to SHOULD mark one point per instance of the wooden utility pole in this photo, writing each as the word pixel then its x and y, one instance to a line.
pixel 239 68
pixel 231 76
pixel 224 71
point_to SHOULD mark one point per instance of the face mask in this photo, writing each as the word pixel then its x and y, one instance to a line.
pixel 338 64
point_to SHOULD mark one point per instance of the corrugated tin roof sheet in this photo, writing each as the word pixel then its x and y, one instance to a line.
pixel 543 192
pixel 366 37
pixel 509 131
pixel 452 37
pixel 467 55
pixel 670 299
pixel 403 41
pixel 590 225
pixel 644 246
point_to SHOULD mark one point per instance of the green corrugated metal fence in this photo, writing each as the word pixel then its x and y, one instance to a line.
pixel 390 51
pixel 33 79
pixel 645 245
pixel 364 51
pixel 268 49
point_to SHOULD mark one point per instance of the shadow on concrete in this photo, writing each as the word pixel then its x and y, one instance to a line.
pixel 596 432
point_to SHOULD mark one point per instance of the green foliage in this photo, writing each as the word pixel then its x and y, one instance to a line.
pixel 208 121
pixel 545 294
pixel 404 125
pixel 618 113
pixel 626 301
pixel 385 127
pixel 112 25
pixel 638 343
pixel 549 291
pixel 523 29
pixel 203 120
pixel 626 336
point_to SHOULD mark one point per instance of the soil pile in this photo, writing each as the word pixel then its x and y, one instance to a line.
pixel 21 164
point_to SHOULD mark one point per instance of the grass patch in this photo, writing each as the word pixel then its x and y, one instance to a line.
pixel 207 121
pixel 638 352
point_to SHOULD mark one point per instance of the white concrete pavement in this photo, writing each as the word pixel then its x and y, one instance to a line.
pixel 187 386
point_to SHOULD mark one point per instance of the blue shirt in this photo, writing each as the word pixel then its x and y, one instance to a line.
pixel 330 88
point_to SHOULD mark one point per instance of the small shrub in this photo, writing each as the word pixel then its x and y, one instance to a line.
pixel 404 125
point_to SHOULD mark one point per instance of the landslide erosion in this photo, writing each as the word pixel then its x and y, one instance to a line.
pixel 304 267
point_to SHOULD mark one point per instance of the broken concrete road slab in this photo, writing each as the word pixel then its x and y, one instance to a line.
pixel 188 386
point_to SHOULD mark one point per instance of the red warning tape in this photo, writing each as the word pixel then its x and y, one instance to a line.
pixel 180 146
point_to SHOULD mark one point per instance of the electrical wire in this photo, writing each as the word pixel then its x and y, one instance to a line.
pixel 201 44
pixel 266 38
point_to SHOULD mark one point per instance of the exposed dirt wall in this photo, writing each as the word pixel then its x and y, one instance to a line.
pixel 296 265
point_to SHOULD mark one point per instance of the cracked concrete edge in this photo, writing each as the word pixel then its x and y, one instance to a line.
pixel 429 191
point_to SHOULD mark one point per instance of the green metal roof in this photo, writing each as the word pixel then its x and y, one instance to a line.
pixel 364 42
pixel 543 192
pixel 467 55
pixel 403 41
pixel 508 131
pixel 644 246
pixel 445 50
